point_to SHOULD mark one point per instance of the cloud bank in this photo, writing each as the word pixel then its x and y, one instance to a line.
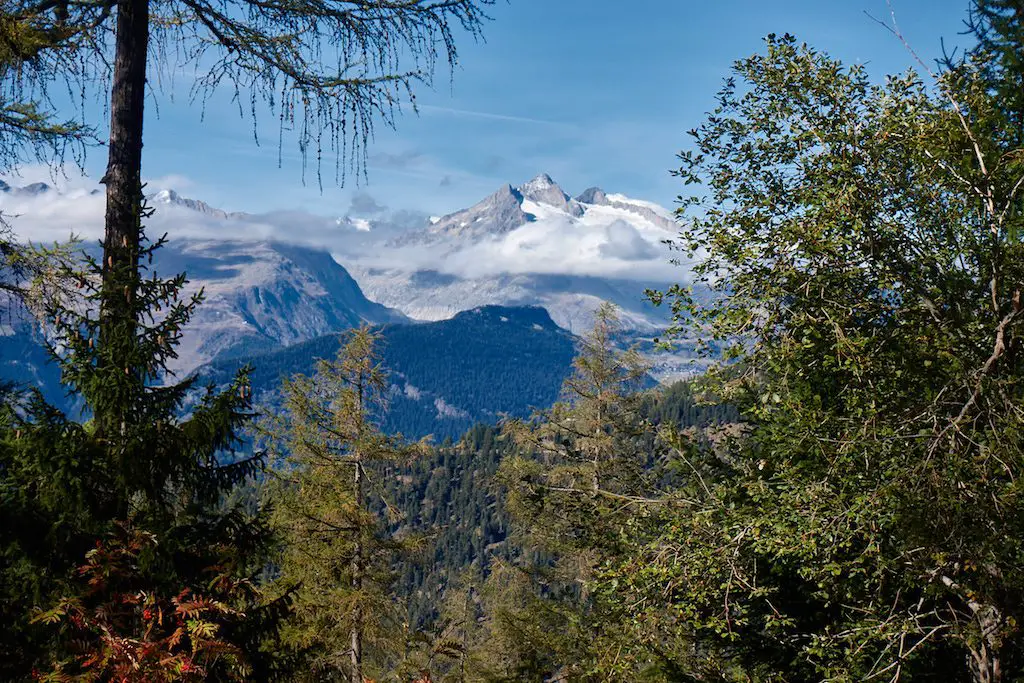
pixel 555 244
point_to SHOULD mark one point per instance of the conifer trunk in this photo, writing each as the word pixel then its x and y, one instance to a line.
pixel 123 178
pixel 357 581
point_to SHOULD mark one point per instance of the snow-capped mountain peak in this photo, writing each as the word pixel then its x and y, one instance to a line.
pixel 541 183
pixel 544 190
pixel 530 244
pixel 169 197
pixel 539 201
pixel 649 211
pixel 165 197
pixel 498 214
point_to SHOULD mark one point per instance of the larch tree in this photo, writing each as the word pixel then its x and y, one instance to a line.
pixel 336 553
pixel 30 132
pixel 36 47
pixel 588 472
pixel 585 440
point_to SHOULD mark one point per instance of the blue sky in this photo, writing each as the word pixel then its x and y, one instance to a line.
pixel 594 92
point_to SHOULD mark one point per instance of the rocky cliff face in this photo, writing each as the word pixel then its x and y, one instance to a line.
pixel 262 295
pixel 544 190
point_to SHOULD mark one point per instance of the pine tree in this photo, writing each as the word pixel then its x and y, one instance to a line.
pixel 336 554
pixel 134 494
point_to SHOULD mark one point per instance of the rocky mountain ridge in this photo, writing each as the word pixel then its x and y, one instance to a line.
pixel 526 245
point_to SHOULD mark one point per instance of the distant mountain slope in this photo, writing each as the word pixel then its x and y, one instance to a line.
pixel 258 296
pixel 526 245
pixel 262 295
pixel 445 375
pixel 24 359
pixel 570 299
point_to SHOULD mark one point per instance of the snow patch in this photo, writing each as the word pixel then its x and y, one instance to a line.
pixel 656 208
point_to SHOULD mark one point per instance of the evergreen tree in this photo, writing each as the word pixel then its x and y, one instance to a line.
pixel 590 470
pixel 998 26
pixel 336 553
pixel 587 442
pixel 135 495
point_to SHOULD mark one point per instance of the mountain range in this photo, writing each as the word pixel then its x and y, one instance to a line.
pixel 529 245
pixel 535 245
pixel 282 283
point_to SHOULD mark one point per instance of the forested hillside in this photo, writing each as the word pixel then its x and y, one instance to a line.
pixel 445 375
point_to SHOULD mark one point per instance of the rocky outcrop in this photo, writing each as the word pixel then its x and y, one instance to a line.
pixel 544 190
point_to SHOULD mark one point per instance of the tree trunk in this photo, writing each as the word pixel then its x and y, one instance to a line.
pixel 123 177
pixel 983 660
pixel 985 666
pixel 357 582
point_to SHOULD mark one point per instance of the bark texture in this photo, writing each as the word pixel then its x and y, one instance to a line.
pixel 123 177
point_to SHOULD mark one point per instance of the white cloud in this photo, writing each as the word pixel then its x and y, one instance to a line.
pixel 79 209
pixel 445 409
pixel 552 245
pixel 623 241
pixel 602 244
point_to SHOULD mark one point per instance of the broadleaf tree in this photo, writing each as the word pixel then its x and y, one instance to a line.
pixel 864 243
